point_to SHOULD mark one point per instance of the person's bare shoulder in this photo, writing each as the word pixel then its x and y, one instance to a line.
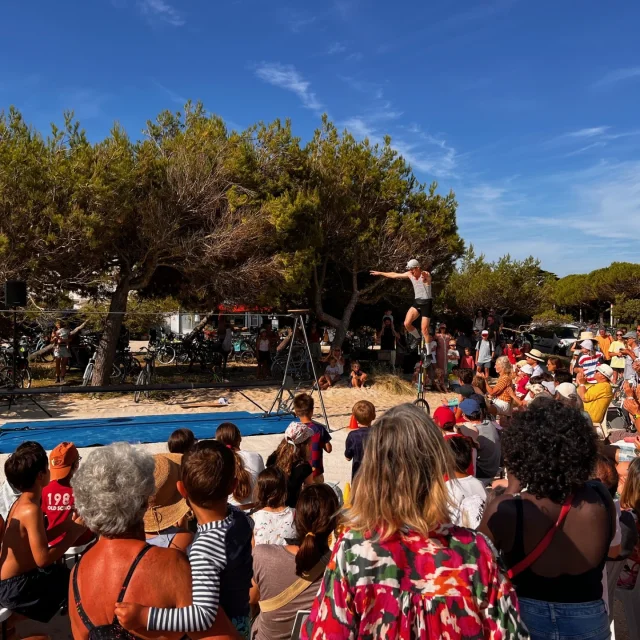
pixel 171 575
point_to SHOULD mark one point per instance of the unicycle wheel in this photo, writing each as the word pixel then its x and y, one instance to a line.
pixel 423 404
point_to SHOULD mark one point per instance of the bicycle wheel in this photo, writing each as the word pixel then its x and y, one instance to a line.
pixel 247 357
pixel 141 381
pixel 88 372
pixel 26 378
pixel 166 355
pixel 423 404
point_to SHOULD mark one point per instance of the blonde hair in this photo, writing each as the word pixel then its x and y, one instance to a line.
pixel 505 363
pixel 630 497
pixel 401 480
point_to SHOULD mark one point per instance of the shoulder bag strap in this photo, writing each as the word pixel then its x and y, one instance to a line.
pixel 295 589
pixel 542 546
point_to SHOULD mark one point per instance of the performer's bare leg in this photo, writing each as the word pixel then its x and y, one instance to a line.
pixel 412 316
pixel 426 336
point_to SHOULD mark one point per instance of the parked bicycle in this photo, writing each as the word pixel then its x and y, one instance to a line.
pixel 146 375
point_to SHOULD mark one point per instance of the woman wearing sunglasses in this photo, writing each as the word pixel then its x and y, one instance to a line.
pixel 617 360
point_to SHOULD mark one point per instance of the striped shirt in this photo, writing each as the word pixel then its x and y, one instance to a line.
pixel 588 363
pixel 220 554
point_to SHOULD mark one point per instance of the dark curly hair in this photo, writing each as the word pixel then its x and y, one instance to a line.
pixel 550 448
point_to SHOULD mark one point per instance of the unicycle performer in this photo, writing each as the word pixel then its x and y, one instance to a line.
pixel 423 303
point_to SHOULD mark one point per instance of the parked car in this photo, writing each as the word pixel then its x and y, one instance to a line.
pixel 554 339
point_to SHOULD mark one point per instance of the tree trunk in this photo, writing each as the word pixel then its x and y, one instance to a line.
pixel 343 326
pixel 109 340
pixel 200 326
pixel 50 347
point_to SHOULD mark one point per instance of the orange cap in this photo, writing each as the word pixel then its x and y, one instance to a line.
pixel 62 459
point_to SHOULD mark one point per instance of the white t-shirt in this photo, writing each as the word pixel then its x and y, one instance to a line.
pixel 274 527
pixel 254 464
pixel 332 372
pixel 469 496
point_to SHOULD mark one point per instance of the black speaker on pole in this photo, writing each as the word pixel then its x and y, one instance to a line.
pixel 15 293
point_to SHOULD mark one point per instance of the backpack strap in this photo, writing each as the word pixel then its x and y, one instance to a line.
pixel 295 589
pixel 542 546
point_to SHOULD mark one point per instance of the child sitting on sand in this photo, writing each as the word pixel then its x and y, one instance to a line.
pixel 220 556
pixel 331 374
pixel 358 377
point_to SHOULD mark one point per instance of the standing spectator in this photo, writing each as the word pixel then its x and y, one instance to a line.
pixel 453 357
pixel 247 462
pixel 616 358
pixel 631 357
pixel 315 338
pixel 604 341
pixel 555 536
pixel 497 320
pixel 598 396
pixel 386 338
pixel 467 493
pixel 57 496
pixel 273 519
pixel 295 569
pixel 479 323
pixel 364 413
pixel 511 352
pixel 484 353
pixel 467 361
pixel 303 406
pixel 225 339
pixel 60 339
pixel 588 361
pixel 263 345
pixel 442 340
pixel 31 583
pixel 534 358
pixel 398 565
pixel 463 341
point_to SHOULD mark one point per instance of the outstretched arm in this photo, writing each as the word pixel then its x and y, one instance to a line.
pixel 389 274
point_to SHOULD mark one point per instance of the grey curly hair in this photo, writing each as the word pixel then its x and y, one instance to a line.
pixel 112 487
pixel 505 363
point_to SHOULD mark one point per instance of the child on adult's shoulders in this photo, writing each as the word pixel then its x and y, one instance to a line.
pixel 364 413
pixel 303 407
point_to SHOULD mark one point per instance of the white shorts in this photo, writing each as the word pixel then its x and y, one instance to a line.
pixel 503 407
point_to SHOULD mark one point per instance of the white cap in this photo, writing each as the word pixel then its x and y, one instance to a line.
pixel 605 370
pixel 413 264
pixel 567 390
pixel 527 369
pixel 586 344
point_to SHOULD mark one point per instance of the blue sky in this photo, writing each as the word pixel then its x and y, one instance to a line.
pixel 528 110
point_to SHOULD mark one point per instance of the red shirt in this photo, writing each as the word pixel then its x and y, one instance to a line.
pixel 466 362
pixel 511 354
pixel 57 503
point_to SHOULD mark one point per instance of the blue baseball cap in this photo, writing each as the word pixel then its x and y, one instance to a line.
pixel 469 407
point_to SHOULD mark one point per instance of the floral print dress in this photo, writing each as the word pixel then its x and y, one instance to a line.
pixel 447 586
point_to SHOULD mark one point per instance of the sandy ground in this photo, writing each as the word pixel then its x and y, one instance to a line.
pixel 338 403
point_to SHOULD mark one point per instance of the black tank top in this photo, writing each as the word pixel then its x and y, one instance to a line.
pixel 111 631
pixel 567 588
pixel 387 339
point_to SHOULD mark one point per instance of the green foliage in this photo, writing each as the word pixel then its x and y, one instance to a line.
pixel 511 286
pixel 551 316
pixel 626 310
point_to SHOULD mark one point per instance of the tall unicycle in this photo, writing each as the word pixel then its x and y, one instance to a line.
pixel 422 376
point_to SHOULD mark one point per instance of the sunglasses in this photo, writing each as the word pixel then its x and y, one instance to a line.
pixel 619 335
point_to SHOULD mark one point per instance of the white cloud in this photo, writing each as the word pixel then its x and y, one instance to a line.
pixel 577 152
pixel 162 11
pixel 618 75
pixel 175 97
pixel 336 47
pixel 588 133
pixel 297 21
pixel 354 57
pixel 287 77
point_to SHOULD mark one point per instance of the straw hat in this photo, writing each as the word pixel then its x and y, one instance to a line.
pixel 586 335
pixel 534 354
pixel 166 506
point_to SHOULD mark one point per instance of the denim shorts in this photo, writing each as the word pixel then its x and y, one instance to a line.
pixel 560 621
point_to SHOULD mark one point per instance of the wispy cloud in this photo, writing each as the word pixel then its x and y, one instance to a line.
pixel 590 132
pixel 175 97
pixel 287 77
pixel 86 103
pixel 593 145
pixel 336 47
pixel 618 75
pixel 296 20
pixel 372 89
pixel 161 11
pixel 356 56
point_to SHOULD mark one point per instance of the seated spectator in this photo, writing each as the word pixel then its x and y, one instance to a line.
pixel 399 553
pixel 534 359
pixel 111 489
pixel 551 450
pixel 248 465
pixel 298 566
pixel 31 584
pixel 500 393
pixel 181 441
pixel 220 555
pixel 303 406
pixel 630 502
pixel 567 393
pixel 466 493
pixel 293 457
pixel 273 520
pixel 331 375
pixel 523 376
pixel 554 365
pixel 598 396
pixel 484 432
pixel 57 496
pixel 364 413
pixel 167 516
pixel 358 377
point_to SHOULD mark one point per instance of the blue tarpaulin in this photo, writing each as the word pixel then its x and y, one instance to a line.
pixel 134 429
